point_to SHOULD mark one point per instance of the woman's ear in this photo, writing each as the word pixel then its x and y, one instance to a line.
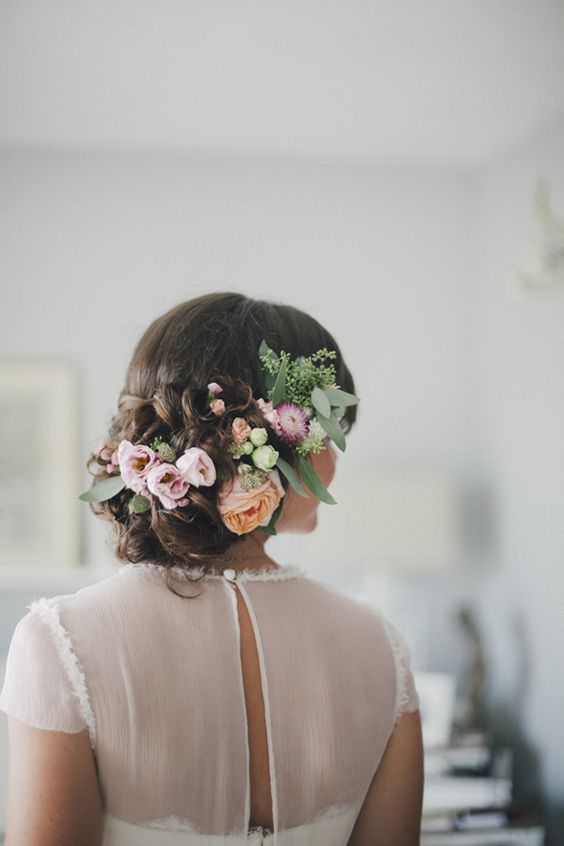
pixel 325 462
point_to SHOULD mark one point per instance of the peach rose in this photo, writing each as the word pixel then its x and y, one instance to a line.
pixel 240 430
pixel 243 510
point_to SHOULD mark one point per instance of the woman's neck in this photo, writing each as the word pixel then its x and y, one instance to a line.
pixel 247 554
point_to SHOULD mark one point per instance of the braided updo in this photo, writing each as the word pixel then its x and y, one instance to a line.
pixel 211 338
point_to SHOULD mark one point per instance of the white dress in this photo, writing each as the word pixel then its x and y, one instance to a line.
pixel 157 681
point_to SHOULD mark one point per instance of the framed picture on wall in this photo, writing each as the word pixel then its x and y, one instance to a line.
pixel 39 467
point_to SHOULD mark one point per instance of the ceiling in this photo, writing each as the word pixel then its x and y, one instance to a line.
pixel 422 81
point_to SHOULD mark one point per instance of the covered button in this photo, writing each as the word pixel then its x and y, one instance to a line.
pixel 230 574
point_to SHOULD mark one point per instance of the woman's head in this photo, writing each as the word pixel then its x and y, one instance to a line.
pixel 211 338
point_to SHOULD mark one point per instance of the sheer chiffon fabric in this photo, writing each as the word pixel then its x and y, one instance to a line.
pixel 156 681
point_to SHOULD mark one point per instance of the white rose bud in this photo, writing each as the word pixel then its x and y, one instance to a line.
pixel 265 457
pixel 247 448
pixel 258 437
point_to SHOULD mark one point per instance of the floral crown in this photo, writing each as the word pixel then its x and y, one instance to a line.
pixel 303 409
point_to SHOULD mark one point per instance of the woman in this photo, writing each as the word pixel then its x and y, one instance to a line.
pixel 204 693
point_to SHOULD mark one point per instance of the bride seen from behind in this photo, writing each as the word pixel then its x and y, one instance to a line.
pixel 207 456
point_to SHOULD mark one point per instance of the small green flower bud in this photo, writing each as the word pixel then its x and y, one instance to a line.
pixel 258 437
pixel 265 457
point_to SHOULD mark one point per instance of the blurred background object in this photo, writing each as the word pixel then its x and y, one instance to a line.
pixel 545 267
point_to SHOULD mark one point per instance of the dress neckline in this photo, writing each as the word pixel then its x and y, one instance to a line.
pixel 264 574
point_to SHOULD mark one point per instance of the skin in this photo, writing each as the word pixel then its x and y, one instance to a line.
pixel 54 796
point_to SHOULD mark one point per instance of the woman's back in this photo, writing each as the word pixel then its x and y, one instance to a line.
pixel 264 705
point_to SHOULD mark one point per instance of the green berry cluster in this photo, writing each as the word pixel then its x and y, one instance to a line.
pixel 314 440
pixel 302 375
pixel 163 450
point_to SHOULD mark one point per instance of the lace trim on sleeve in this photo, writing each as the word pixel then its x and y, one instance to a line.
pixel 402 655
pixel 49 613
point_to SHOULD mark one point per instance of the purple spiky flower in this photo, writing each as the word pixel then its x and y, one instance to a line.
pixel 292 421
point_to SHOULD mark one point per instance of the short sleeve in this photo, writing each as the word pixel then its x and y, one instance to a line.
pixel 407 697
pixel 44 684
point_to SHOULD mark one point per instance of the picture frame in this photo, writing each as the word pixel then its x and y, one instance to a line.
pixel 39 464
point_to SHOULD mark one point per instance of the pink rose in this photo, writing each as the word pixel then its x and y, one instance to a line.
pixel 217 406
pixel 243 510
pixel 167 482
pixel 104 451
pixel 135 462
pixel 270 414
pixel 214 388
pixel 113 464
pixel 240 430
pixel 197 467
pixel 107 455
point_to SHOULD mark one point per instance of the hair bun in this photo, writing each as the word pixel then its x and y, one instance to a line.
pixel 211 338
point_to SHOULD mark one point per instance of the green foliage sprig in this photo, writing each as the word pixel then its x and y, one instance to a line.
pixel 301 375
pixel 309 382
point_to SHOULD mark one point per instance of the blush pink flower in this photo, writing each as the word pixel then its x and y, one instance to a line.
pixel 240 430
pixel 292 421
pixel 135 461
pixel 197 467
pixel 113 464
pixel 243 510
pixel 107 454
pixel 217 406
pixel 167 483
pixel 214 388
pixel 269 413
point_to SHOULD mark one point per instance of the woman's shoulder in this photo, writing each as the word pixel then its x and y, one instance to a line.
pixel 98 600
pixel 356 611
pixel 346 610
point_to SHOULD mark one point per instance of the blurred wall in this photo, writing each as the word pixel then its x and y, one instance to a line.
pixel 521 444
pixel 95 246
pixel 404 266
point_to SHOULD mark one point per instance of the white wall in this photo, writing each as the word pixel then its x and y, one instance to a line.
pixel 95 246
pixel 403 265
pixel 521 378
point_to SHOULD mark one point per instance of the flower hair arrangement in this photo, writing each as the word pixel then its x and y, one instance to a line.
pixel 303 409
pixel 155 472
pixel 152 469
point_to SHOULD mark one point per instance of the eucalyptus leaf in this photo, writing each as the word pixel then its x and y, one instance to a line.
pixel 333 429
pixel 269 528
pixel 313 481
pixel 263 348
pixel 320 401
pixel 280 384
pixel 288 471
pixel 338 397
pixel 139 504
pixel 103 490
pixel 269 382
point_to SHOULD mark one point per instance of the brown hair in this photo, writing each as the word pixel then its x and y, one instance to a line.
pixel 211 338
